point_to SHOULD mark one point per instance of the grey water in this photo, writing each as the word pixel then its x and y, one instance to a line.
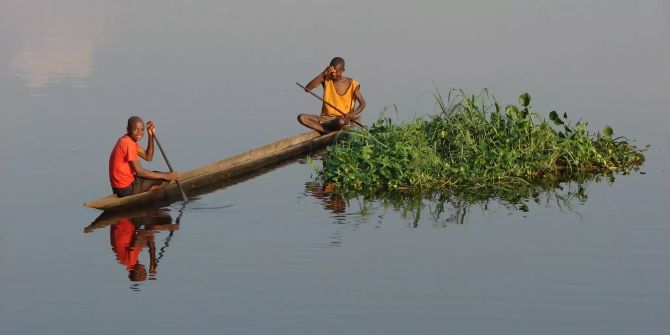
pixel 269 255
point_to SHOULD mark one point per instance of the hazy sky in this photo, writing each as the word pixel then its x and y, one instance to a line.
pixel 235 63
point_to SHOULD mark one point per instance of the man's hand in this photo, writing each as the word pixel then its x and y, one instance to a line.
pixel 151 129
pixel 170 176
pixel 328 71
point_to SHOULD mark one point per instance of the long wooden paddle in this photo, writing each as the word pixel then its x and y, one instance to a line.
pixel 328 103
pixel 181 190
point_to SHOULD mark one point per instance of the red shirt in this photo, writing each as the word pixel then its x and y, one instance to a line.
pixel 121 173
pixel 122 237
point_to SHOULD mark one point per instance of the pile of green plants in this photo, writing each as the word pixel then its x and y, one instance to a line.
pixel 474 144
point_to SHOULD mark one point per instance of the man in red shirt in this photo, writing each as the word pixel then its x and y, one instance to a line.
pixel 126 174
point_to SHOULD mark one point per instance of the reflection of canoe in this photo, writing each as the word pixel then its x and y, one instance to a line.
pixel 235 166
pixel 154 218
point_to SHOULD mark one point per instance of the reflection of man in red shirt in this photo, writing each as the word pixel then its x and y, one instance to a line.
pixel 131 232
pixel 127 242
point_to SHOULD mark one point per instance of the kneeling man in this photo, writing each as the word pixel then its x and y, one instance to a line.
pixel 125 171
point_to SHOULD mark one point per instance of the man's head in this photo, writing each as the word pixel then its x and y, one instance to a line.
pixel 135 128
pixel 138 273
pixel 338 65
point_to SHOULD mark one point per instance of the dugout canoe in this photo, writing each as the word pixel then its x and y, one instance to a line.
pixel 194 181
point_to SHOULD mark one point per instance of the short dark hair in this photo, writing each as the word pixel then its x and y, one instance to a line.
pixel 337 61
pixel 138 273
pixel 134 119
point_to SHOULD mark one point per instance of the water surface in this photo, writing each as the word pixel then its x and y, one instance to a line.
pixel 270 255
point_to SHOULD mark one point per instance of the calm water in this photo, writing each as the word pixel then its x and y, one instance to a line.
pixel 268 255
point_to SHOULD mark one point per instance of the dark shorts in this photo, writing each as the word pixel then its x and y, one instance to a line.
pixel 138 185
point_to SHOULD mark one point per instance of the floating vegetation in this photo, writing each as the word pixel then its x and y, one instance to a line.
pixel 475 147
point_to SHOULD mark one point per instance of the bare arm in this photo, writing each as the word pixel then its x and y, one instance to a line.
pixel 148 154
pixel 361 103
pixel 146 174
pixel 152 254
pixel 319 79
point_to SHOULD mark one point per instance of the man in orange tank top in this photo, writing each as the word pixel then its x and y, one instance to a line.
pixel 126 174
pixel 339 91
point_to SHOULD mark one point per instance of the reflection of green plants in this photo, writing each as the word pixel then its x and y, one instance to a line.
pixel 453 205
pixel 474 147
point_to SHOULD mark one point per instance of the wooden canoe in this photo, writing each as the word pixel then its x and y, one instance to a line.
pixel 199 179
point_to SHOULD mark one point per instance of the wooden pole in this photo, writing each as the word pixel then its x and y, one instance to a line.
pixel 181 190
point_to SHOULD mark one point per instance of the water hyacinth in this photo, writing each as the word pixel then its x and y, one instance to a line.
pixel 473 143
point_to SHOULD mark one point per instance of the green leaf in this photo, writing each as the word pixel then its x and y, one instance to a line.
pixel 524 113
pixel 524 99
pixel 553 116
pixel 512 111
pixel 609 131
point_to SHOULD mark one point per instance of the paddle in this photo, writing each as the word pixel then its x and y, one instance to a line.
pixel 168 239
pixel 183 194
pixel 328 103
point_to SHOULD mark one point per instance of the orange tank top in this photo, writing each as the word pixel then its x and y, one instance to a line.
pixel 344 102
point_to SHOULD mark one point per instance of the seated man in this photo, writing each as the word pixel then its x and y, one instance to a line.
pixel 341 92
pixel 125 171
